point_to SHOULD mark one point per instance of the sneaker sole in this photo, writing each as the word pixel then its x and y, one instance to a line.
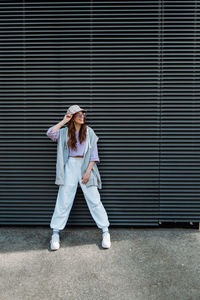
pixel 106 247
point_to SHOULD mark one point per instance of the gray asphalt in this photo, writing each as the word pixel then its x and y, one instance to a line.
pixel 142 264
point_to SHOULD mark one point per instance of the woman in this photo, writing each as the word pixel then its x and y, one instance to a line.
pixel 77 155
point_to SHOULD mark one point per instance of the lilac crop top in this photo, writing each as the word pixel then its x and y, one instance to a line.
pixel 80 147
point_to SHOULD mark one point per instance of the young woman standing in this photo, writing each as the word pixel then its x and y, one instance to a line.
pixel 77 155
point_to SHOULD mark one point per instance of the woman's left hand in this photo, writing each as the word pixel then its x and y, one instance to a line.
pixel 85 177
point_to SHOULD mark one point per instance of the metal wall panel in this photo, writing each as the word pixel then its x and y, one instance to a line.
pixel 108 57
pixel 180 119
pixel 126 107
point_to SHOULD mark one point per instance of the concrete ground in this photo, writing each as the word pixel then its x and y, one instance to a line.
pixel 142 264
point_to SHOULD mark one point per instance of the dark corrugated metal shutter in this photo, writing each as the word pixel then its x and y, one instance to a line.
pixel 126 109
pixel 180 119
pixel 108 57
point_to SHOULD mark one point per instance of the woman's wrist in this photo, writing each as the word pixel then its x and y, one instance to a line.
pixel 90 166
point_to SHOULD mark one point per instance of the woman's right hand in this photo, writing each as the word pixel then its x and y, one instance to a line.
pixel 67 118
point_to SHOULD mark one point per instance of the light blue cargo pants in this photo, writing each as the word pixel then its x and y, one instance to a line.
pixel 66 195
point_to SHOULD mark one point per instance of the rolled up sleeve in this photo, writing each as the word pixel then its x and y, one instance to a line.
pixel 52 135
pixel 94 155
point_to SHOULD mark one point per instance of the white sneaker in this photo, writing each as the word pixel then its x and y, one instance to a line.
pixel 55 242
pixel 106 243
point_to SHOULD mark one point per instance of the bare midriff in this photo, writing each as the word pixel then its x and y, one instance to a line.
pixel 76 156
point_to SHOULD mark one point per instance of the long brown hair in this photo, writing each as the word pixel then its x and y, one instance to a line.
pixel 72 134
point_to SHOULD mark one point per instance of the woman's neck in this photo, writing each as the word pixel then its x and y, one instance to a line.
pixel 77 127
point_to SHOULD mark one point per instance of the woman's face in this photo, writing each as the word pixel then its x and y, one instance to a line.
pixel 79 117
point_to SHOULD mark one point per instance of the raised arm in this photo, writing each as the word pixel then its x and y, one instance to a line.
pixel 53 135
pixel 53 131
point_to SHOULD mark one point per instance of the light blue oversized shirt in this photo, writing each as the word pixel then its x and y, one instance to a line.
pixel 63 155
pixel 80 147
